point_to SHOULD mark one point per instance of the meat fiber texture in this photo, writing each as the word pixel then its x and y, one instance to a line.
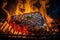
pixel 30 19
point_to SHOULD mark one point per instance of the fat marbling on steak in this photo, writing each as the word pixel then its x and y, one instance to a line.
pixel 33 19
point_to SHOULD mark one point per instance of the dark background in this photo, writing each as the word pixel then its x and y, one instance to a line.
pixel 53 10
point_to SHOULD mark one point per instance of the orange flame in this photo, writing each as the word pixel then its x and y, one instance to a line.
pixel 28 7
pixel 3 7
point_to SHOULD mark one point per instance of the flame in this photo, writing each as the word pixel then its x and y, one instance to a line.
pixel 27 7
pixel 3 7
pixel 19 5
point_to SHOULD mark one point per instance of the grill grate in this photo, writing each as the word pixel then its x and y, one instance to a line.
pixel 17 34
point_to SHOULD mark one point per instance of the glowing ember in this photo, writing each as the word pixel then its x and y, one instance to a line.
pixel 26 15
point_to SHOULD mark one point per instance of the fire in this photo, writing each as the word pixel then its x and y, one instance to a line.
pixel 17 12
pixel 26 7
pixel 8 15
